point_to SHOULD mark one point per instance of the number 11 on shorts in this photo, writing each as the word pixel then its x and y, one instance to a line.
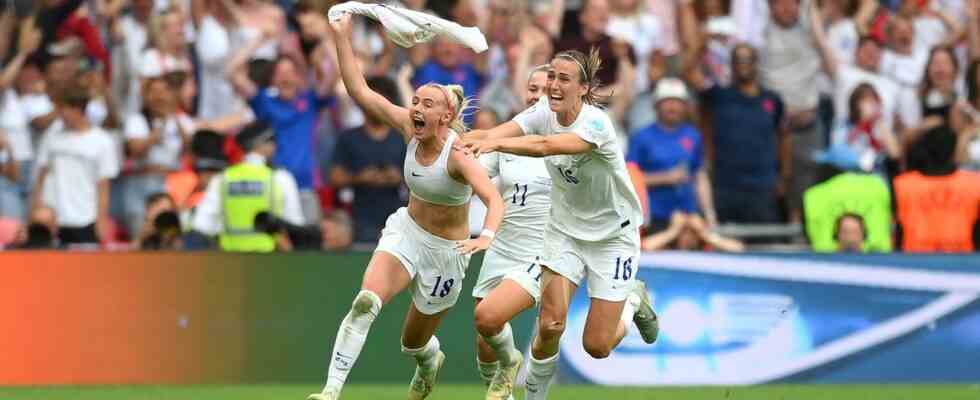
pixel 447 286
pixel 627 268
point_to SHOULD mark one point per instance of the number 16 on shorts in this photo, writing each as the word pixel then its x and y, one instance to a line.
pixel 624 269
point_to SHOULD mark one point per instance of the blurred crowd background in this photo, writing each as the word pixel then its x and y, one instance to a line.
pixel 832 125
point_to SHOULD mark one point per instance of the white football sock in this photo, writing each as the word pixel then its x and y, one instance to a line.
pixel 503 346
pixel 487 370
pixel 540 374
pixel 629 308
pixel 425 356
pixel 351 335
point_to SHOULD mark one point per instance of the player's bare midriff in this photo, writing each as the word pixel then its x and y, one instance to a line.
pixel 447 222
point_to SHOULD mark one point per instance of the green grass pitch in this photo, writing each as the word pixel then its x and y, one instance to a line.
pixel 453 392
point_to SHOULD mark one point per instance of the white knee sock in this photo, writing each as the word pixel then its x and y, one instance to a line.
pixel 540 373
pixel 487 370
pixel 503 346
pixel 350 338
pixel 425 356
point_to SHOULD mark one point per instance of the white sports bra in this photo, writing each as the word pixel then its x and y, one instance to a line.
pixel 432 183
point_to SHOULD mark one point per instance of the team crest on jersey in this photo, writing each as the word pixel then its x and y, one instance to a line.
pixel 596 125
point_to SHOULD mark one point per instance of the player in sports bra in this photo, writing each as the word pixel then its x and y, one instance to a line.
pixel 508 281
pixel 593 232
pixel 424 247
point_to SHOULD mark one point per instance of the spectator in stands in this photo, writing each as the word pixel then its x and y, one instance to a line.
pixel 128 35
pixel 50 16
pixel 338 231
pixel 593 21
pixel 16 141
pixel 618 72
pixel 719 29
pixel 234 198
pixel 214 47
pixel 938 94
pixel 257 19
pixel 745 115
pixel 207 159
pixel 639 115
pixel 850 234
pixel 8 173
pixel 937 204
pixel 167 50
pixel 633 23
pixel 790 66
pixel 689 232
pixel 155 140
pixel 866 68
pixel 150 236
pixel 903 61
pixel 842 188
pixel 968 146
pixel 670 155
pixel 445 63
pixel 864 134
pixel 368 160
pixel 75 164
pixel 41 232
pixel 64 69
pixel 293 109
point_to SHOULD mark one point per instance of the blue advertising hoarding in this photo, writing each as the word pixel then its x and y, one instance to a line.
pixel 750 319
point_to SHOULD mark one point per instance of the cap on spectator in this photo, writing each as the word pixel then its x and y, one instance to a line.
pixel 670 88
pixel 254 134
pixel 208 149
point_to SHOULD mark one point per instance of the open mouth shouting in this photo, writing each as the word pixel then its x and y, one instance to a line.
pixel 418 122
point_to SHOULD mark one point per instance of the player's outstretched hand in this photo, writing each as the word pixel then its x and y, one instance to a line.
pixel 471 246
pixel 341 25
pixel 478 147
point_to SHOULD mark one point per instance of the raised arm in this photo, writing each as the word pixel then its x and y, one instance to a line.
pixel 474 174
pixel 827 55
pixel 237 69
pixel 369 101
pixel 29 40
pixel 973 28
pixel 694 44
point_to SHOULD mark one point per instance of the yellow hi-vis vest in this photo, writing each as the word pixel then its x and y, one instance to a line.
pixel 248 189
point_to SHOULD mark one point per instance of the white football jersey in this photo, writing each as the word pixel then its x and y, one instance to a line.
pixel 526 189
pixel 592 196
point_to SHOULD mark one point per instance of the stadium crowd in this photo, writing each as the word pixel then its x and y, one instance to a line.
pixel 143 124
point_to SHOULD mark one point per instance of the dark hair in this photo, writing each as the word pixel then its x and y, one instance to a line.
pixel 737 47
pixel 972 91
pixel 854 102
pixel 932 154
pixel 590 66
pixel 158 196
pixel 857 217
pixel 927 84
pixel 868 39
pixel 386 88
pixel 176 79
pixel 76 95
pixel 260 72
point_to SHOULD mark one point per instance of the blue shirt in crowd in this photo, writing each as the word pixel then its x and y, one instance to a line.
pixel 294 123
pixel 655 150
pixel 745 132
pixel 463 74
pixel 372 205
